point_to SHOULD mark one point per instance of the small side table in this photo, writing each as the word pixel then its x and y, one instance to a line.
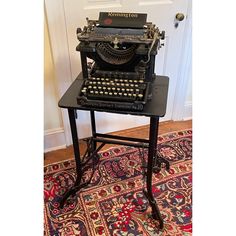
pixel 155 108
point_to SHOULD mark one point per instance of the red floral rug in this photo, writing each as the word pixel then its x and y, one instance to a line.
pixel 114 204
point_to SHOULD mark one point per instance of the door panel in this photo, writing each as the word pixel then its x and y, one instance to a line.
pixel 160 12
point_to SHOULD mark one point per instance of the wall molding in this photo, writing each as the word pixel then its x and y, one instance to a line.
pixel 54 139
pixel 187 110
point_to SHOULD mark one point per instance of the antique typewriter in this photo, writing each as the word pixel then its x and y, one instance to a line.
pixel 117 57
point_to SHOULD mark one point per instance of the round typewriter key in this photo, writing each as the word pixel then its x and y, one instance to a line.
pixel 120 94
pixel 113 88
pixel 125 94
pixel 108 88
pixel 130 80
pixel 125 80
pixel 104 88
pixel 132 85
pixel 118 89
pixel 107 79
pixel 141 81
pixel 99 87
pixel 101 92
pixel 108 83
pixel 102 79
pixel 121 80
pixel 92 91
pixel 130 94
pixel 123 89
pixel 115 93
pixel 118 84
pixel 105 93
pixel 89 86
pixel 134 95
pixel 94 87
pixel 140 95
pixel 122 84
pixel 99 82
pixel 136 85
pixel 127 85
pixel 110 93
pixel 96 92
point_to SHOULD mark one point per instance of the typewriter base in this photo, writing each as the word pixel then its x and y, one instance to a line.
pixel 90 159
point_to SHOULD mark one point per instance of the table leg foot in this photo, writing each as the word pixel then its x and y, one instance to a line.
pixel 155 210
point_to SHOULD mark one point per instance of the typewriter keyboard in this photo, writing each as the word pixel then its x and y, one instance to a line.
pixel 123 93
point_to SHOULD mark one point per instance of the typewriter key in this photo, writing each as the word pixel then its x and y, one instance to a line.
pixel 120 94
pixel 109 88
pixel 125 94
pixel 118 89
pixel 99 87
pixel 96 92
pixel 113 88
pixel 105 93
pixel 110 93
pixel 115 93
pixel 140 95
pixel 92 91
pixel 101 92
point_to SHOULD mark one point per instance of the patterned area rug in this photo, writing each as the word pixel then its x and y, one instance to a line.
pixel 114 204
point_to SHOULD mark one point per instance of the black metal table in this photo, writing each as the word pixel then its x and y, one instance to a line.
pixel 154 109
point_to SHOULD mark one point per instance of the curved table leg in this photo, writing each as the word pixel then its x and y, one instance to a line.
pixel 72 118
pixel 153 132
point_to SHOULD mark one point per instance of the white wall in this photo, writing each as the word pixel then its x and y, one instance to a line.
pixel 53 127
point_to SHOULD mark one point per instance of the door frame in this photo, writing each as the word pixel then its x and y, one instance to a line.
pixel 55 13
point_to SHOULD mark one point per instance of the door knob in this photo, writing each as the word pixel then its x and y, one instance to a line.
pixel 179 16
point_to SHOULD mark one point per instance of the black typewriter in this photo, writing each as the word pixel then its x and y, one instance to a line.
pixel 118 56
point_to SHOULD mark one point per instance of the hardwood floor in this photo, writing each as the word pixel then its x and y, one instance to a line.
pixel 139 132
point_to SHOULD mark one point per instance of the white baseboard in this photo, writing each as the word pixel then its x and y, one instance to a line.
pixel 54 139
pixel 187 111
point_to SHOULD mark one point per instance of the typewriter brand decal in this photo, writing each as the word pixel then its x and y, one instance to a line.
pixel 126 15
pixel 108 21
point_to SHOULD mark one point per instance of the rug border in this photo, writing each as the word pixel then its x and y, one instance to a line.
pixel 105 150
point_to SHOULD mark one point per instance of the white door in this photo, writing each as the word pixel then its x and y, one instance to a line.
pixel 65 16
